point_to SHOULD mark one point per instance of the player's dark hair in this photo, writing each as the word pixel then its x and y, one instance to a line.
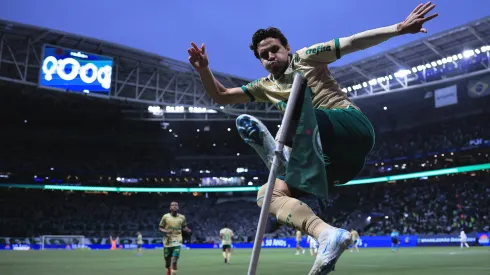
pixel 262 34
pixel 226 225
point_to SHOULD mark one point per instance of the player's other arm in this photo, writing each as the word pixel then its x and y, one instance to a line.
pixel 219 93
pixel 161 225
pixel 336 48
pixel 184 226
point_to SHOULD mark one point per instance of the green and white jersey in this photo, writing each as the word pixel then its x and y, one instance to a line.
pixel 311 62
pixel 226 236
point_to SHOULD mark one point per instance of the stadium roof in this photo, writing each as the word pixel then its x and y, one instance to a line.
pixel 150 79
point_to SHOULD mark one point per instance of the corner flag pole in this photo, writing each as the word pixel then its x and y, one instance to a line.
pixel 299 85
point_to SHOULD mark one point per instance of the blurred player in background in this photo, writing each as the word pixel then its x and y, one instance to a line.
pixel 464 239
pixel 298 243
pixel 313 245
pixel 114 242
pixel 226 235
pixel 395 240
pixel 172 225
pixel 139 242
pixel 355 240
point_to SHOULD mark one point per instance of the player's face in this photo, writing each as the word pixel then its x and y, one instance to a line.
pixel 174 206
pixel 273 56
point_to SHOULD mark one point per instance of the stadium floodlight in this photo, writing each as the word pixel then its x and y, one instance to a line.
pixel 402 73
pixel 432 64
pixel 468 53
pixel 299 85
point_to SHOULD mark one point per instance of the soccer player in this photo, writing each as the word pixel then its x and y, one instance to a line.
pixel 355 240
pixel 298 243
pixel 346 134
pixel 313 245
pixel 395 241
pixel 114 242
pixel 226 235
pixel 172 225
pixel 463 240
pixel 139 242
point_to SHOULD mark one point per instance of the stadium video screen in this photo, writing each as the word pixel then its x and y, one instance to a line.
pixel 76 71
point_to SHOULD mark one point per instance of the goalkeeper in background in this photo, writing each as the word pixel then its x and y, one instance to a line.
pixel 171 225
pixel 226 235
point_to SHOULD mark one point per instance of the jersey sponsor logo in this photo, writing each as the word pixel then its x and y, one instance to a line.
pixel 319 49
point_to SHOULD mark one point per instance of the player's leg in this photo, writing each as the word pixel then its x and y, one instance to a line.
pixel 466 244
pixel 346 137
pixel 224 253
pixel 168 259
pixel 254 133
pixel 173 265
pixel 298 215
pixel 228 255
pixel 292 212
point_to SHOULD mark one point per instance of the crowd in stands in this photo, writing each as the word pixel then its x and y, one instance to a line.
pixel 439 206
pixel 46 141
pixel 93 151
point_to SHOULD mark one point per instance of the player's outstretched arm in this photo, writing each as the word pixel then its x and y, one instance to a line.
pixel 219 93
pixel 412 24
pixel 335 49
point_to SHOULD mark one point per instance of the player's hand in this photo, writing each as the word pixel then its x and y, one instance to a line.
pixel 198 57
pixel 415 20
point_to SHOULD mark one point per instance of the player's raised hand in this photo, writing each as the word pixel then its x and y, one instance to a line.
pixel 415 20
pixel 198 56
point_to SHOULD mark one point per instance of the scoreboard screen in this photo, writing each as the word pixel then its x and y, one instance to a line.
pixel 75 71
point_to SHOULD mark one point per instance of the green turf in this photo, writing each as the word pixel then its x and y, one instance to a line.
pixel 418 261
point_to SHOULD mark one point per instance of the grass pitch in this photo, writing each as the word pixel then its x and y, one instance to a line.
pixel 419 261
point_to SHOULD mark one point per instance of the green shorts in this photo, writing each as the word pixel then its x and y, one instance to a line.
pixel 173 251
pixel 347 137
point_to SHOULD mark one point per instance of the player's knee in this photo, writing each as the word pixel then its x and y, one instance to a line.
pixel 261 195
pixel 281 189
pixel 174 263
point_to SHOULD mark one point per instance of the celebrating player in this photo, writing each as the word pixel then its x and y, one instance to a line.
pixel 463 239
pixel 114 242
pixel 355 240
pixel 346 134
pixel 172 225
pixel 139 242
pixel 226 235
pixel 313 245
pixel 298 243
